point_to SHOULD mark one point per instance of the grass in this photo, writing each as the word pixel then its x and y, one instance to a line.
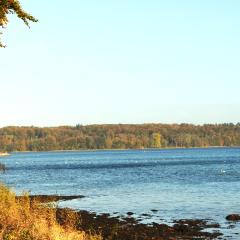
pixel 24 219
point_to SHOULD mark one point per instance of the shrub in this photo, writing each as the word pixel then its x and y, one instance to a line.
pixel 23 219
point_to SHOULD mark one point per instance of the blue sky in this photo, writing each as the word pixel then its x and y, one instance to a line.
pixel 122 61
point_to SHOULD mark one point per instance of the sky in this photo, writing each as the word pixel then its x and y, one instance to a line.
pixel 128 61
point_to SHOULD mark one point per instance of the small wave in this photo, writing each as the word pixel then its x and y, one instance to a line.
pixel 118 165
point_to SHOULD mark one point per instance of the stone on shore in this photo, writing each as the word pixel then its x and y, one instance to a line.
pixel 233 217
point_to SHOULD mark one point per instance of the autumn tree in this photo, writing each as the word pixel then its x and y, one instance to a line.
pixel 156 140
pixel 13 7
pixel 117 137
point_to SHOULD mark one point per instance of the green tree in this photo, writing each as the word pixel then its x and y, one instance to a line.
pixel 13 7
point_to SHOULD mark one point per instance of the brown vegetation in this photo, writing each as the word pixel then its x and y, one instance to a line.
pixel 118 137
pixel 21 219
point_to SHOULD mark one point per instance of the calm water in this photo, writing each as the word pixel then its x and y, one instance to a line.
pixel 180 183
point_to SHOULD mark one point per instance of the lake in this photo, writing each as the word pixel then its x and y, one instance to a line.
pixel 179 183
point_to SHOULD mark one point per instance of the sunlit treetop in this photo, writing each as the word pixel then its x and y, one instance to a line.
pixel 13 7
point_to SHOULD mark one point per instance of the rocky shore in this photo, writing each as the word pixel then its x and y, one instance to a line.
pixel 129 228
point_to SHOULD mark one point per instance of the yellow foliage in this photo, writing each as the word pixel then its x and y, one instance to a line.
pixel 23 219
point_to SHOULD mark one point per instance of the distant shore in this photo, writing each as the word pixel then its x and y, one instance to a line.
pixel 119 136
pixel 122 149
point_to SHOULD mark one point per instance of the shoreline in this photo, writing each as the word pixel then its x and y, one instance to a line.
pixel 123 149
pixel 120 227
pixel 128 228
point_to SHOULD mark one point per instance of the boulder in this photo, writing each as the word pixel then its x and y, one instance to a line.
pixel 233 217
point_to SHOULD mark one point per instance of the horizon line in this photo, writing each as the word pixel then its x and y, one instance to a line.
pixel 115 124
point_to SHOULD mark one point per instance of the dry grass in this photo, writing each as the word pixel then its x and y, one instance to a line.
pixel 22 219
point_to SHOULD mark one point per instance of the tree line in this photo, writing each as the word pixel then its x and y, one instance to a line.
pixel 118 136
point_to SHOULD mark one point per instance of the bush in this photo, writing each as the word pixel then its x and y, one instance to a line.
pixel 23 219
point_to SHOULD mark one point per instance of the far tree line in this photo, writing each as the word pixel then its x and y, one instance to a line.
pixel 119 136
